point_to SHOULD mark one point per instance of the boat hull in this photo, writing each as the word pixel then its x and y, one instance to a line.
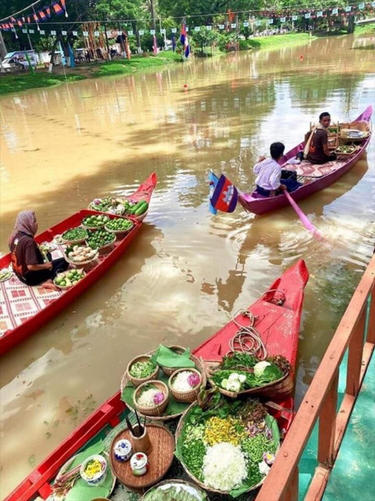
pixel 262 205
pixel 46 312
pixel 280 339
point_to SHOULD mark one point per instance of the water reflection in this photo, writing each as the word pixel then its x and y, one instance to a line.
pixel 187 271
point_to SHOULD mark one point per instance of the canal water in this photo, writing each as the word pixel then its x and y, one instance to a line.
pixel 188 271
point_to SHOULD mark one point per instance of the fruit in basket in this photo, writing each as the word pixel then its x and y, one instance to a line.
pixel 101 204
pixel 77 233
pixel 80 253
pixel 69 278
pixel 95 221
pixel 347 149
pixel 119 224
pixel 100 238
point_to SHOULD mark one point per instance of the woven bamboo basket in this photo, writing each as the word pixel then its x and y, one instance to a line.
pixel 96 227
pixel 278 389
pixel 168 371
pixel 187 471
pixel 138 381
pixel 199 364
pixel 65 287
pixel 175 481
pixel 73 242
pixel 119 233
pixel 186 396
pixel 157 410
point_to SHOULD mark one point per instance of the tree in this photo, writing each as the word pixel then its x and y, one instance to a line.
pixel 204 38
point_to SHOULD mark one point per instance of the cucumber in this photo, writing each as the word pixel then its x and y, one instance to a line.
pixel 141 209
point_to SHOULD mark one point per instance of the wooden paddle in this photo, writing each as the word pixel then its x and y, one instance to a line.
pixel 303 218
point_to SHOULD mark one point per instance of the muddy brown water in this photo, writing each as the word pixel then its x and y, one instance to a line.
pixel 188 271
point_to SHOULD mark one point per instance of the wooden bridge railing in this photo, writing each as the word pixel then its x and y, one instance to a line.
pixel 320 401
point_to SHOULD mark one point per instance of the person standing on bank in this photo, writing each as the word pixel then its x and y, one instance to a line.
pixel 27 259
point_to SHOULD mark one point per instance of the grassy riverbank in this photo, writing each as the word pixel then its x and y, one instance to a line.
pixel 280 41
pixel 137 64
pixel 17 83
pixel 365 29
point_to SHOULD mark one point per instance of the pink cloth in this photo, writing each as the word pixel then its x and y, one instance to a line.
pixel 26 223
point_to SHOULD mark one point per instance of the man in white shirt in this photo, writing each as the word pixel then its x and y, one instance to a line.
pixel 270 177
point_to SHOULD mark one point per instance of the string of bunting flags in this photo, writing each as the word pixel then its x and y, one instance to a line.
pixel 58 8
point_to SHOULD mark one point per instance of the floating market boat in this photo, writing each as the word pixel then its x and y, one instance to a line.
pixel 278 315
pixel 314 177
pixel 24 309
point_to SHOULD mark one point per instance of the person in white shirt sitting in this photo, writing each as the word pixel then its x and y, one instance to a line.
pixel 271 179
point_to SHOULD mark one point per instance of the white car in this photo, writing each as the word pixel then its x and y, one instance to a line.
pixel 19 60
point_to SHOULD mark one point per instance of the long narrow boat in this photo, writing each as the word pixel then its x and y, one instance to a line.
pixel 24 309
pixel 316 177
pixel 278 314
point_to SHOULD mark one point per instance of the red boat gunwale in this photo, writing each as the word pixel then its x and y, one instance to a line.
pixel 292 283
pixel 262 205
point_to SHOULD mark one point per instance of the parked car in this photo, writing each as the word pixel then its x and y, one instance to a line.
pixel 19 60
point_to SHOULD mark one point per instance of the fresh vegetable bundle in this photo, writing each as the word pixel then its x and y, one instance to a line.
pixel 137 209
pixel 346 149
pixel 119 224
pixel 5 275
pixel 95 221
pixel 240 372
pixel 80 253
pixel 69 278
pixel 108 204
pixel 74 234
pixel 227 446
pixel 100 238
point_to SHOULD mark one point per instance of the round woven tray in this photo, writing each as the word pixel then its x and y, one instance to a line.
pixel 175 481
pixel 66 287
pixel 107 247
pixel 199 364
pixel 73 242
pixel 190 475
pixel 276 389
pixel 82 264
pixel 160 458
pixel 119 233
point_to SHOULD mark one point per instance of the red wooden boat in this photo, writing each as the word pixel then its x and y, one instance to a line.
pixel 278 325
pixel 24 309
pixel 315 178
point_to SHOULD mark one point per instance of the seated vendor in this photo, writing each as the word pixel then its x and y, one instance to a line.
pixel 27 260
pixel 271 179
pixel 316 142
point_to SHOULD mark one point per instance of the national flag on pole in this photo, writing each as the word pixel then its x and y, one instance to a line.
pixel 36 18
pixel 225 195
pixel 19 22
pixel 42 15
pixel 48 12
pixel 184 40
pixel 28 19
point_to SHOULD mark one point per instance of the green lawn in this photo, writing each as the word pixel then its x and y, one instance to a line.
pixel 136 64
pixel 365 29
pixel 280 41
pixel 18 83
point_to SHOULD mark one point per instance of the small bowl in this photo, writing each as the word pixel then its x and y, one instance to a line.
pixel 99 477
pixel 185 396
pixel 158 409
pixel 123 450
pixel 138 381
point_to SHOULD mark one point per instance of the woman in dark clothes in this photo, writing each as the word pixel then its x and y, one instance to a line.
pixel 27 260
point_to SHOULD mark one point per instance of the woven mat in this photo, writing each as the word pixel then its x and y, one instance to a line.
pixel 19 302
pixel 307 169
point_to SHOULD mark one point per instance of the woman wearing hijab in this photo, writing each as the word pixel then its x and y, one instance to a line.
pixel 27 260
